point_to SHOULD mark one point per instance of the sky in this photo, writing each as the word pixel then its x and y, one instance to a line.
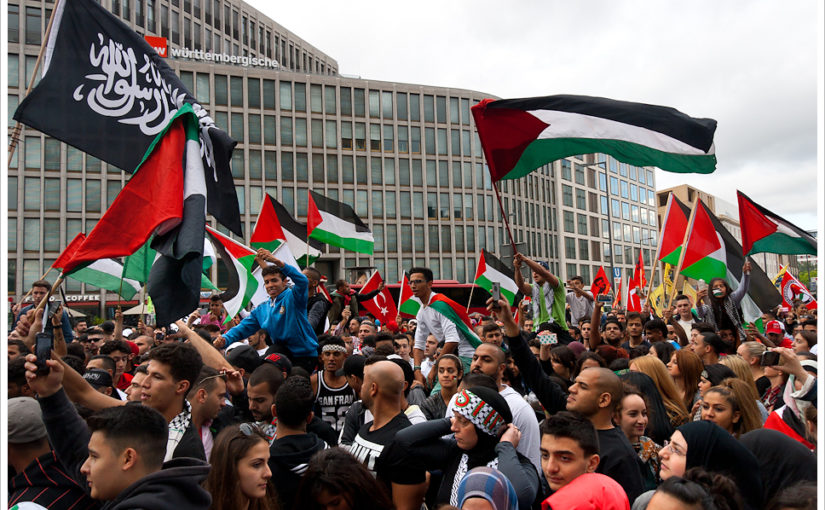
pixel 749 64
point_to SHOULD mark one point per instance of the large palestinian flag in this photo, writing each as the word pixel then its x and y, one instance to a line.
pixel 520 135
pixel 674 226
pixel 238 260
pixel 764 231
pixel 491 269
pixel 276 226
pixel 456 314
pixel 104 273
pixel 335 223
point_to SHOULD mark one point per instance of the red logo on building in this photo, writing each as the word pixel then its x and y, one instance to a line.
pixel 158 43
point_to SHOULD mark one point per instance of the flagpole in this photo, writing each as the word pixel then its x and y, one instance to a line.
pixel 471 297
pixel 31 289
pixel 506 223
pixel 15 135
pixel 654 264
pixel 684 250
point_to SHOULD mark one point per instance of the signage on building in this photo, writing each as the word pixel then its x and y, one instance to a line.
pixel 160 44
pixel 71 298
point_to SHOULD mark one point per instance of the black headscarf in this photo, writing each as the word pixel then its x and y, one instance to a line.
pixel 713 448
pixel 659 427
pixel 717 373
pixel 783 461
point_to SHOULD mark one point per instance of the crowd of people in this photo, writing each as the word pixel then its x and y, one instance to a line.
pixel 309 404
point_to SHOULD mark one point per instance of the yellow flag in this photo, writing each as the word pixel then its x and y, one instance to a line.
pixel 690 292
pixel 777 280
pixel 667 279
pixel 657 299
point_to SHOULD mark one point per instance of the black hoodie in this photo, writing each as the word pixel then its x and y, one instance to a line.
pixel 288 458
pixel 177 485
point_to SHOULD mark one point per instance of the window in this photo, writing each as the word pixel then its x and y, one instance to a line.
pixel 315 100
pixel 634 192
pixel 386 105
pixel 359 102
pixel 388 138
pixel 580 174
pixel 300 97
pixel 625 211
pixel 581 220
pixel 33 25
pixel 14 30
pixel 570 250
pixel 317 126
pixel 375 104
pixel 415 107
pixel 441 109
pixel 375 137
pixel 584 252
pixel 614 186
pixel 569 223
pixel 301 132
pixel 401 108
pixel 581 200
pixel 565 170
pixel 567 195
pixel 615 208
pixel 624 189
pixel 429 109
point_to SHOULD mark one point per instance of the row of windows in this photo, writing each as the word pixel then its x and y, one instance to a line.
pixel 353 101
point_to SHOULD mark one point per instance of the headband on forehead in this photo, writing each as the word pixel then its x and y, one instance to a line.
pixel 479 412
pixel 333 348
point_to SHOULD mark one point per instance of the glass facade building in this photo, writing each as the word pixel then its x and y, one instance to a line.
pixel 405 156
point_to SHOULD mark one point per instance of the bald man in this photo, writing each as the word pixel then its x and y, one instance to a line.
pixel 382 392
pixel 595 394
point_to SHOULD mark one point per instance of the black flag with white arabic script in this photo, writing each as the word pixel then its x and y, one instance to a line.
pixel 106 91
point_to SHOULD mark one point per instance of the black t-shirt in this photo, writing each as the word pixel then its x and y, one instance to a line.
pixel 620 462
pixel 372 448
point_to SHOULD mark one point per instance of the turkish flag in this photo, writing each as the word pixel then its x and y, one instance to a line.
pixel 382 306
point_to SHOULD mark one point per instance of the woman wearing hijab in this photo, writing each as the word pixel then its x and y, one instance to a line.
pixel 782 461
pixel 490 485
pixel 721 308
pixel 706 445
pixel 483 436
pixel 712 375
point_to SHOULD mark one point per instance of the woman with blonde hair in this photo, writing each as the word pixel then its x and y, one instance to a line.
pixel 685 368
pixel 676 411
pixel 731 406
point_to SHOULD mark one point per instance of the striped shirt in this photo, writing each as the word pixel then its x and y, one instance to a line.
pixel 45 482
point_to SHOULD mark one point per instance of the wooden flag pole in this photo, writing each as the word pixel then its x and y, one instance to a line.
pixel 654 264
pixel 15 135
pixel 506 222
pixel 682 254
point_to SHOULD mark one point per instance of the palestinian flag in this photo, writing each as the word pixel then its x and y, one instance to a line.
pixel 764 231
pixel 336 224
pixel 491 269
pixel 520 135
pixel 456 314
pixel 600 284
pixel 138 265
pixel 105 273
pixel 672 235
pixel 276 226
pixel 238 260
pixel 762 295
pixel 792 289
pixel 705 256
pixel 107 92
pixel 407 303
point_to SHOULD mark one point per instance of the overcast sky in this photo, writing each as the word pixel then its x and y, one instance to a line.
pixel 751 65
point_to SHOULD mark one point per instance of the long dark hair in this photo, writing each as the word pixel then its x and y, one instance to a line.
pixel 723 321
pixel 231 446
pixel 337 472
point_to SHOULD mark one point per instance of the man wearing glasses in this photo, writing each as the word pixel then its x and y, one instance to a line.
pixel 431 322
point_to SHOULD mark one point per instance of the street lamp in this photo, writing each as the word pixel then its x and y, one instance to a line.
pixel 609 219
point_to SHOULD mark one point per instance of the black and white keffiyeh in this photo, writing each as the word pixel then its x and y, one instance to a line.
pixel 177 427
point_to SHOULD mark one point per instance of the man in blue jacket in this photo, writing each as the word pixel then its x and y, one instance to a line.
pixel 284 316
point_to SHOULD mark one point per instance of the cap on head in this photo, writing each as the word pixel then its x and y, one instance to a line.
pixel 25 420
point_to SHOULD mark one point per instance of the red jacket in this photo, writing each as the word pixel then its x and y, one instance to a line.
pixel 590 491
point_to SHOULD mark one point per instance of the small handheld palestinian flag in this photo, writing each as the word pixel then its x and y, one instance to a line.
pixel 764 231
pixel 600 285
pixel 491 269
pixel 520 135
pixel 704 257
pixel 674 225
pixel 407 303
pixel 237 260
pixel 335 223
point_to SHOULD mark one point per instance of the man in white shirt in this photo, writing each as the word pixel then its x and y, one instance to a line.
pixel 579 300
pixel 432 322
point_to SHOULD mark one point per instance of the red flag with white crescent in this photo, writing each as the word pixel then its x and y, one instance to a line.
pixel 382 306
